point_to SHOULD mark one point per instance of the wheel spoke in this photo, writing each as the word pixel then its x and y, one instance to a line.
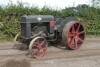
pixel 79 39
pixel 40 52
pixel 69 40
pixel 70 34
pixel 37 42
pixel 81 32
pixel 76 45
pixel 72 41
pixel 73 29
pixel 78 28
pixel 41 44
pixel 73 45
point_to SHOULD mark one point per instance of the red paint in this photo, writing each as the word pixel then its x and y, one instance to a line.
pixel 75 36
pixel 52 24
pixel 39 49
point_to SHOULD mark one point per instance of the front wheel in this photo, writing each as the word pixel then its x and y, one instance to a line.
pixel 38 47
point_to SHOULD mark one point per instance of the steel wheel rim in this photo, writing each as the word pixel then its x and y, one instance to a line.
pixel 76 35
pixel 39 48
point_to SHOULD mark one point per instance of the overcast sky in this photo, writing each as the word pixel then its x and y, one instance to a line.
pixel 56 4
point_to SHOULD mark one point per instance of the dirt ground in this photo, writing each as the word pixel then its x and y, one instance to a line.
pixel 87 56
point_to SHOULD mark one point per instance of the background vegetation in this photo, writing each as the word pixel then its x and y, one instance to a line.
pixel 11 14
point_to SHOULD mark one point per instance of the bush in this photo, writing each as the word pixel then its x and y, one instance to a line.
pixel 11 14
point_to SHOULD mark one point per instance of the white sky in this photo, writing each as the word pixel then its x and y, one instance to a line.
pixel 56 4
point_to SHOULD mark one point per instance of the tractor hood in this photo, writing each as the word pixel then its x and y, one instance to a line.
pixel 36 18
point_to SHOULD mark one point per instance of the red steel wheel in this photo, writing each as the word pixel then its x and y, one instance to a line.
pixel 38 47
pixel 74 34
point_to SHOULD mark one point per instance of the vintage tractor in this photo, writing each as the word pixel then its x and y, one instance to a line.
pixel 38 30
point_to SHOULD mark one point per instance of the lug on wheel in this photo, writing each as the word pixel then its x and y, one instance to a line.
pixel 75 34
pixel 38 47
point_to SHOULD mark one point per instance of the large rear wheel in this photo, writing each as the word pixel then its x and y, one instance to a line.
pixel 73 35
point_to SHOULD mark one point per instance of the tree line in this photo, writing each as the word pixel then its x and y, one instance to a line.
pixel 11 14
